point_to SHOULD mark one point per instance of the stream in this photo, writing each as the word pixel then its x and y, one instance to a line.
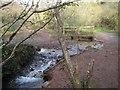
pixel 45 59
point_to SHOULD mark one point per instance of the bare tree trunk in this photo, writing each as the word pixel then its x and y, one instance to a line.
pixel 69 64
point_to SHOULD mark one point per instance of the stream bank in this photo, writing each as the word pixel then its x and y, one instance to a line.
pixel 106 65
pixel 23 56
pixel 33 75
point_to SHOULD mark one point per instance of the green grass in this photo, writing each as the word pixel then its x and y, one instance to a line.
pixel 100 29
pixel 97 29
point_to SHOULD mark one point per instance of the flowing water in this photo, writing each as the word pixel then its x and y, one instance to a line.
pixel 45 59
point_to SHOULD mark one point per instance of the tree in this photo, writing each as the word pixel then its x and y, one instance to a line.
pixel 70 67
pixel 28 13
pixel 25 15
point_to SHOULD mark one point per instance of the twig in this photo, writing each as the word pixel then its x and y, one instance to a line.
pixel 5 24
pixel 56 6
pixel 6 4
pixel 19 17
pixel 12 36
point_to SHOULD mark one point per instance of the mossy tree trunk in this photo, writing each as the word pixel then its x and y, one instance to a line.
pixel 70 67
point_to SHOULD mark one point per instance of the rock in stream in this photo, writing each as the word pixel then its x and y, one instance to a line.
pixel 44 60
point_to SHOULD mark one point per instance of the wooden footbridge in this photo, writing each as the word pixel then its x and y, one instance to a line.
pixel 74 33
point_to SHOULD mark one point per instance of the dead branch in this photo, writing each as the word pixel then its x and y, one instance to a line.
pixel 17 45
pixel 6 4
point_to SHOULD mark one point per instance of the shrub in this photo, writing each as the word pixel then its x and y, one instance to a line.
pixel 23 55
pixel 108 23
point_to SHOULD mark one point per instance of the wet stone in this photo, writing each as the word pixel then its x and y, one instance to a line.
pixel 31 69
pixel 32 73
pixel 45 59
pixel 53 51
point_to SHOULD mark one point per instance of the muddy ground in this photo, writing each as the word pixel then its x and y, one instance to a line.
pixel 105 74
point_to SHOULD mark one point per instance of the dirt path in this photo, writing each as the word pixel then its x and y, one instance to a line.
pixel 108 38
pixel 105 70
pixel 105 73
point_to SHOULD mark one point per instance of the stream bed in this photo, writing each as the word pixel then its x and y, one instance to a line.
pixel 45 59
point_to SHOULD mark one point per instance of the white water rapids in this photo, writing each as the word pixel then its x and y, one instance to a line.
pixel 44 60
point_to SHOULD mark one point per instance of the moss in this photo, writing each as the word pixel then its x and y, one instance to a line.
pixel 23 55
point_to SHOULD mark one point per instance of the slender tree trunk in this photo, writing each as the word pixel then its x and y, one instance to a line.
pixel 67 58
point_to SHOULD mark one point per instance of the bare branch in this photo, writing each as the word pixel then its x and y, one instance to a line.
pixel 53 7
pixel 34 11
pixel 6 4
pixel 19 17
pixel 17 45
pixel 5 25
pixel 12 36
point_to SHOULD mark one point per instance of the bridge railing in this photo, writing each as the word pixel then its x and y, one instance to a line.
pixel 73 33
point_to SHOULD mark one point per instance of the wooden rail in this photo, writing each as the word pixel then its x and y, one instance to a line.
pixel 75 34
